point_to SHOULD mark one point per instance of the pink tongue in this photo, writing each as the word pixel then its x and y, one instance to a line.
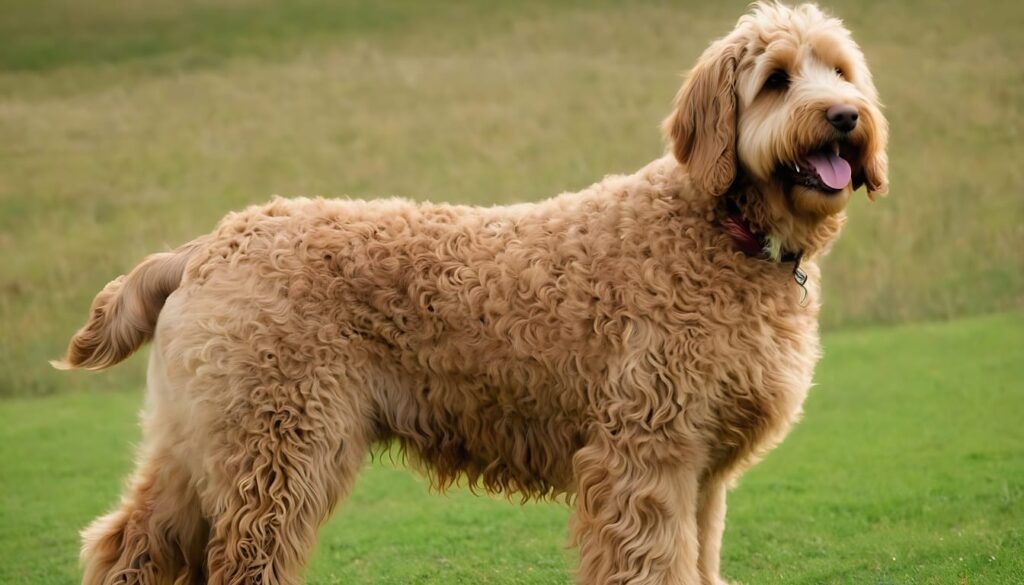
pixel 833 170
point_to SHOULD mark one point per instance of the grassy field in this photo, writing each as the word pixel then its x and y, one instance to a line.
pixel 127 128
pixel 907 469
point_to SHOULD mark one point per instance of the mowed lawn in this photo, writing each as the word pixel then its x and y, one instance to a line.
pixel 907 469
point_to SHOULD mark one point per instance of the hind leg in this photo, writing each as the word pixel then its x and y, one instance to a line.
pixel 157 534
pixel 275 474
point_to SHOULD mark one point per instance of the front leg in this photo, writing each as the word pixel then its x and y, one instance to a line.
pixel 635 519
pixel 710 527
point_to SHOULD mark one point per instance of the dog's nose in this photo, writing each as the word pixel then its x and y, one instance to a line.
pixel 843 117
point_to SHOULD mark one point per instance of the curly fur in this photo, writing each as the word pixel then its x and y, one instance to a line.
pixel 612 346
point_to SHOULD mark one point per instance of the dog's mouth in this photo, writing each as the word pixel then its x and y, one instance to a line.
pixel 826 169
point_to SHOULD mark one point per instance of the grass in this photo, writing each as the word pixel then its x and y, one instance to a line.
pixel 126 129
pixel 908 468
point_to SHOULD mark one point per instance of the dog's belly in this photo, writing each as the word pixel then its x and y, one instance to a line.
pixel 505 439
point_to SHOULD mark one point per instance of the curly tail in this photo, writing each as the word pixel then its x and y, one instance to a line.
pixel 123 315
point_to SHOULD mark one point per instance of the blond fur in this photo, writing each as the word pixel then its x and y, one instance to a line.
pixel 612 346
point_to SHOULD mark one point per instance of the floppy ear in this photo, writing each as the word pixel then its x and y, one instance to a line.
pixel 875 171
pixel 702 127
pixel 875 174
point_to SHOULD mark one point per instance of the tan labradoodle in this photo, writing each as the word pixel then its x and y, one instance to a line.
pixel 633 347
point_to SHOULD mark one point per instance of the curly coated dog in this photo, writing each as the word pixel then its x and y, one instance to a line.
pixel 632 347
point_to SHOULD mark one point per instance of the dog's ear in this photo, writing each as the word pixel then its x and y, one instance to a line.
pixel 875 174
pixel 702 127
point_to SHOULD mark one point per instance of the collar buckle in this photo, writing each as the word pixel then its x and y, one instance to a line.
pixel 801 279
pixel 799 276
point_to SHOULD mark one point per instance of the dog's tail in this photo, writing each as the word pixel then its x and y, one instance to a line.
pixel 123 315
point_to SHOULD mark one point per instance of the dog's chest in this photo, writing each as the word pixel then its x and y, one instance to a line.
pixel 743 354
pixel 753 384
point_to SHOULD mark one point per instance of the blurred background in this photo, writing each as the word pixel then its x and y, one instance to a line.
pixel 128 127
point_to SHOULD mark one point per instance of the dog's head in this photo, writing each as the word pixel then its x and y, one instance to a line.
pixel 786 102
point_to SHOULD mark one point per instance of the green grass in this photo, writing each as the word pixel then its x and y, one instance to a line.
pixel 128 128
pixel 907 469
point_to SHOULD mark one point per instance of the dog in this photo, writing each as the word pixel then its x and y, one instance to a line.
pixel 633 347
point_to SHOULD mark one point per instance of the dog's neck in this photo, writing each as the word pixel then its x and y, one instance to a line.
pixel 754 244
pixel 764 224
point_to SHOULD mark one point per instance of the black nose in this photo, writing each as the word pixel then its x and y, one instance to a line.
pixel 843 117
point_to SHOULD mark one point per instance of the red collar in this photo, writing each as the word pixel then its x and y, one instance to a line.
pixel 751 244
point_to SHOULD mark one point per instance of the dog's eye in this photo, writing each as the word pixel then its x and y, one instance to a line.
pixel 839 72
pixel 779 79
